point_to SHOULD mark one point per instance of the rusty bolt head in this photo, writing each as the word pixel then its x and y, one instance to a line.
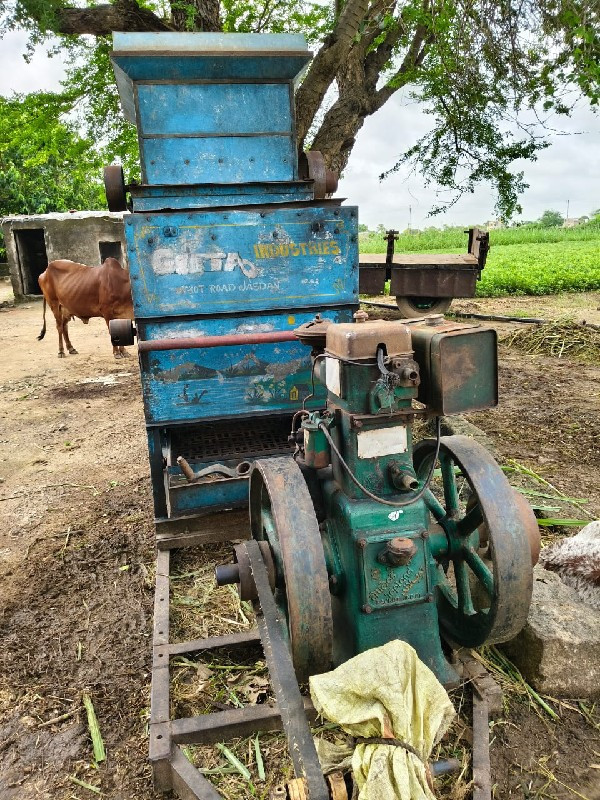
pixel 400 550
pixel 360 316
pixel 362 543
pixel 367 609
pixel 425 535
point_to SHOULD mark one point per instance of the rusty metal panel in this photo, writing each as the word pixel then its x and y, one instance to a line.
pixel 371 280
pixel 204 109
pixel 432 282
pixel 458 365
pixel 227 159
pixel 352 341
pixel 196 384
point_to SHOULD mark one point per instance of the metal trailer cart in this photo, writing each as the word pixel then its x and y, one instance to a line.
pixel 425 283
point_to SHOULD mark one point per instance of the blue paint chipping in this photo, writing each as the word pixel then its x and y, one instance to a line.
pixel 225 238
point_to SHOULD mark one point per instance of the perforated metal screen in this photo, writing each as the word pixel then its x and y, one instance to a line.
pixel 232 439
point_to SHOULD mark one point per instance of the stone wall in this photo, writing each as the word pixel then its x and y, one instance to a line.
pixel 75 236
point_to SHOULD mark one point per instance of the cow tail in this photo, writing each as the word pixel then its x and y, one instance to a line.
pixel 43 331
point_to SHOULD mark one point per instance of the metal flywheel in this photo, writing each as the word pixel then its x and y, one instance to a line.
pixel 282 514
pixel 484 580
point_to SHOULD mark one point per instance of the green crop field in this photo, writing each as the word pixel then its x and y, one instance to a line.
pixel 521 260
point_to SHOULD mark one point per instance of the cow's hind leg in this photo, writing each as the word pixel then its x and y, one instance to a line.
pixel 58 316
pixel 70 347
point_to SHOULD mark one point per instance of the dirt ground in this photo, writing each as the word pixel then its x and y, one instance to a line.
pixel 77 558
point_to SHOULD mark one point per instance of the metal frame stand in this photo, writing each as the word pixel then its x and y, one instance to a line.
pixel 172 770
pixel 291 713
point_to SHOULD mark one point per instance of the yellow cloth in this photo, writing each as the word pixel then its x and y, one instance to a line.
pixel 386 692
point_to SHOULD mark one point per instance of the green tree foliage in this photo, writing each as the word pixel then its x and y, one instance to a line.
pixel 483 70
pixel 551 219
pixel 45 164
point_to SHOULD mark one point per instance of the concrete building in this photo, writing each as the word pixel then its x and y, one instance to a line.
pixel 33 241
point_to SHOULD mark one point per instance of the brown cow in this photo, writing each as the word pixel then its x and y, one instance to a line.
pixel 76 290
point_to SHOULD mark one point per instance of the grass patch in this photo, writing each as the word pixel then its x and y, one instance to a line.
pixel 449 239
pixel 538 269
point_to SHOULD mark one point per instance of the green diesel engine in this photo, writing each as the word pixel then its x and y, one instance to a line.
pixel 368 537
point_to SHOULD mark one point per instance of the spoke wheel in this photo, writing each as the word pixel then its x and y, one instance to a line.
pixel 483 587
pixel 282 513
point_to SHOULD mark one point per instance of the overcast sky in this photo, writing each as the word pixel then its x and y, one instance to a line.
pixel 568 171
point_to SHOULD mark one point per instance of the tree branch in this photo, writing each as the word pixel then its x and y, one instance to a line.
pixel 411 61
pixel 102 20
pixel 324 66
pixel 358 95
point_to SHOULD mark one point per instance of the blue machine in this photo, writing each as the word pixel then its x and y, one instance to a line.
pixel 231 235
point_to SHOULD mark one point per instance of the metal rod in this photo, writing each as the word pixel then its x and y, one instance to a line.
pixel 242 638
pixel 188 782
pixel 201 342
pixel 482 789
pixel 222 725
pixel 285 685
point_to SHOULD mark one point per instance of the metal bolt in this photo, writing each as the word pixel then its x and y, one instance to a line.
pixel 425 535
pixel 367 609
pixel 362 543
pixel 186 161
pixel 430 598
pixel 399 551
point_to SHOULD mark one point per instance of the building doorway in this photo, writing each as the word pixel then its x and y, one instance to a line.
pixel 33 258
pixel 110 250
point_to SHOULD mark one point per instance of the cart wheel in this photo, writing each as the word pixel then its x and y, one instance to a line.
pixel 114 185
pixel 483 593
pixel 421 306
pixel 282 513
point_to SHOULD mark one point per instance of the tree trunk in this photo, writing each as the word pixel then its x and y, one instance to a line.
pixel 196 15
pixel 322 71
pixel 359 97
